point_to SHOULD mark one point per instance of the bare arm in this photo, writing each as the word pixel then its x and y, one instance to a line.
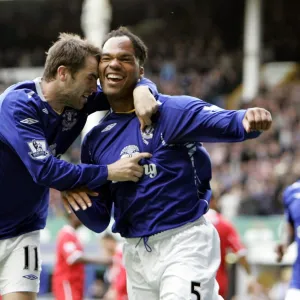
pixel 145 105
pixel 288 239
pixel 106 261
pixel 245 264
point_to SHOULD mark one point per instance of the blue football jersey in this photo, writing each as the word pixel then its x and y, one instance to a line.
pixel 174 189
pixel 32 137
pixel 291 200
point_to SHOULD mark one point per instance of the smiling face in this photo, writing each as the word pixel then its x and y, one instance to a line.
pixel 76 89
pixel 119 68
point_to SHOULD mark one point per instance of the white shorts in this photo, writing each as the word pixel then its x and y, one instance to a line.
pixel 182 264
pixel 20 263
pixel 292 294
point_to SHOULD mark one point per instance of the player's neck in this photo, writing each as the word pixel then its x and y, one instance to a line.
pixel 49 91
pixel 121 105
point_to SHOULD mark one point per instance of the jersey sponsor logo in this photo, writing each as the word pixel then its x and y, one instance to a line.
pixel 147 134
pixel 150 170
pixel 30 277
pixel 45 110
pixel 129 151
pixel 69 119
pixel 109 127
pixel 29 121
pixel 38 149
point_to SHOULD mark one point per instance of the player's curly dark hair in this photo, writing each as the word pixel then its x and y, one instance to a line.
pixel 140 49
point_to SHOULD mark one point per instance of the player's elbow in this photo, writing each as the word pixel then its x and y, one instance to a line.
pixel 99 227
pixel 43 175
pixel 40 178
pixel 50 176
pixel 94 220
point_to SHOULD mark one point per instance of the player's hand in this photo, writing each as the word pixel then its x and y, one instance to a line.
pixel 280 251
pixel 77 198
pixel 257 119
pixel 128 168
pixel 145 105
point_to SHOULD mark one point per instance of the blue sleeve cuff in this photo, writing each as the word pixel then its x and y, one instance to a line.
pixel 100 179
pixel 96 217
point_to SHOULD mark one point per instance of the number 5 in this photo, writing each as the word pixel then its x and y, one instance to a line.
pixel 194 291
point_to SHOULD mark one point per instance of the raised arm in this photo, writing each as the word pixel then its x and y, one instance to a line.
pixel 190 119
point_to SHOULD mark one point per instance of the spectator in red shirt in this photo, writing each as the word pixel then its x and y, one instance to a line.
pixel 117 272
pixel 68 275
pixel 229 241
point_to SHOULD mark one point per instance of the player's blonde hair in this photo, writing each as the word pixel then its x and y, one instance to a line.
pixel 70 50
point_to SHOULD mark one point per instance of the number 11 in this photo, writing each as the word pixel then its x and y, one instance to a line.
pixel 27 260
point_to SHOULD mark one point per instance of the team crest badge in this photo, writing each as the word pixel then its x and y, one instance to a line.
pixel 69 119
pixel 147 134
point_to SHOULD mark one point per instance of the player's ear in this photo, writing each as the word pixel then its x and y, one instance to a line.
pixel 141 72
pixel 62 72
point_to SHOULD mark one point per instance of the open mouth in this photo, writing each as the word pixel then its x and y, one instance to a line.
pixel 114 78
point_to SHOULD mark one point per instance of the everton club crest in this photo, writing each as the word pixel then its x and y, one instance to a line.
pixel 69 119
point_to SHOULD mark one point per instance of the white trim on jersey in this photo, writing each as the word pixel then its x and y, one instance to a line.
pixel 37 82
pixel 67 290
pixel 74 256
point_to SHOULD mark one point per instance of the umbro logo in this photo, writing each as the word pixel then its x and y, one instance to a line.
pixel 30 94
pixel 109 127
pixel 212 108
pixel 45 110
pixel 29 121
pixel 30 277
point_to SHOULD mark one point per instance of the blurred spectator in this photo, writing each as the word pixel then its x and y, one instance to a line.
pixel 98 288
pixel 229 243
pixel 68 274
pixel 280 288
pixel 116 274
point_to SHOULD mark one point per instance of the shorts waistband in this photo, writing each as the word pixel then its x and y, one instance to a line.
pixel 167 233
